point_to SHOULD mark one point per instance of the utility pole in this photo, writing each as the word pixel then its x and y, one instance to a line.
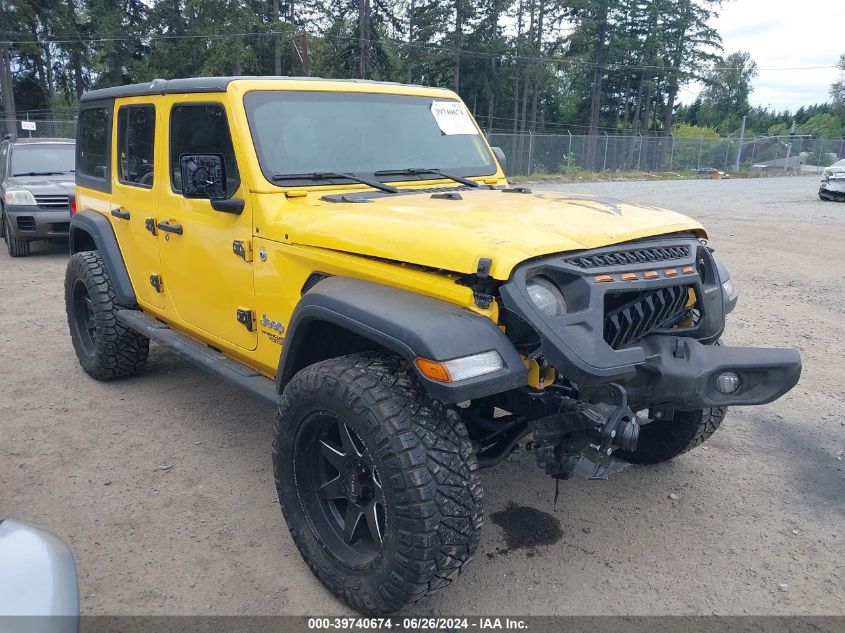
pixel 305 65
pixel 6 85
pixel 277 42
pixel 741 138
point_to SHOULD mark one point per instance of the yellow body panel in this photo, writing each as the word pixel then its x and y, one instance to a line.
pixel 205 282
pixel 453 234
pixel 139 247
pixel 396 240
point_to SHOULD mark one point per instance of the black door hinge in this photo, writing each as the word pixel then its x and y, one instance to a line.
pixel 243 249
pixel 150 225
pixel 246 318
pixel 155 282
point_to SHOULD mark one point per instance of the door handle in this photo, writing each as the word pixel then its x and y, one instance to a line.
pixel 170 228
pixel 122 215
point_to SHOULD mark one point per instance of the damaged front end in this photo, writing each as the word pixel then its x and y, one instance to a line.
pixel 833 183
pixel 619 337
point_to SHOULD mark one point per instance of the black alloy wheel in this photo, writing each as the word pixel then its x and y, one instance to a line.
pixel 84 318
pixel 340 491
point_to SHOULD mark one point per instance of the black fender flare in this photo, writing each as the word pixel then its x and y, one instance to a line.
pixel 404 323
pixel 89 228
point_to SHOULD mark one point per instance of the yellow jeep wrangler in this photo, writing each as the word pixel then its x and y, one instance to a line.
pixel 352 252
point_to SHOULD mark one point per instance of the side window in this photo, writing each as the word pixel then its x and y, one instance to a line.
pixel 135 143
pixel 201 129
pixel 4 159
pixel 93 143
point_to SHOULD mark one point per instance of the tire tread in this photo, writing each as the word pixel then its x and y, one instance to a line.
pixel 119 351
pixel 432 472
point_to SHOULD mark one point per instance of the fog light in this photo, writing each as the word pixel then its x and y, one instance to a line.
pixel 728 382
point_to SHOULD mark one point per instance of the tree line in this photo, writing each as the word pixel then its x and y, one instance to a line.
pixel 585 66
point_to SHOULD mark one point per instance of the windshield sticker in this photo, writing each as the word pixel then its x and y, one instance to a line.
pixel 452 118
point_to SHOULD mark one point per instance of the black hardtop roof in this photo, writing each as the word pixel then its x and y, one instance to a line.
pixel 196 84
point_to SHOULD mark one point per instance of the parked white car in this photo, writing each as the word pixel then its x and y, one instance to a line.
pixel 833 182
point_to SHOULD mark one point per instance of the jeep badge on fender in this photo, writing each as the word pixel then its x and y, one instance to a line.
pixel 410 277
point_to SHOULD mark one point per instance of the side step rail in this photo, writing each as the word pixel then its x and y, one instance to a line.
pixel 201 355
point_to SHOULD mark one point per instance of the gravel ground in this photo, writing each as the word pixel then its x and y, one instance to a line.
pixel 162 483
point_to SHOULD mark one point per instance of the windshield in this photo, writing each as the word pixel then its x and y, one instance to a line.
pixel 313 132
pixel 42 159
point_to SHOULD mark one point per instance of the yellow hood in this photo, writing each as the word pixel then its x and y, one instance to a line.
pixel 454 234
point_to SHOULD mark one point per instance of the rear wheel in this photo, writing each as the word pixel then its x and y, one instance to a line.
pixel 378 483
pixel 105 348
pixel 16 246
pixel 661 440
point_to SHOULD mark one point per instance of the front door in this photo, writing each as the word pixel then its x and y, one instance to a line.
pixel 208 284
pixel 138 178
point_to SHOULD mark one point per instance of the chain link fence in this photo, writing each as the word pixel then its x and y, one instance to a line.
pixel 534 154
pixel 56 128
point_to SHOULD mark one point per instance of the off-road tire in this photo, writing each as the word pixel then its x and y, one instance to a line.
pixel 16 246
pixel 661 440
pixel 427 467
pixel 114 350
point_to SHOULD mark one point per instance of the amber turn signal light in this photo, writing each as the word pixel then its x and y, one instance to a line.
pixel 432 369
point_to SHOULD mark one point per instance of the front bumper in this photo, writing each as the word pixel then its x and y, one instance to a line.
pixel 629 322
pixel 833 185
pixel 30 222
pixel 681 373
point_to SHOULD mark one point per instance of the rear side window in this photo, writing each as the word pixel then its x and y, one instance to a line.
pixel 201 129
pixel 93 143
pixel 135 144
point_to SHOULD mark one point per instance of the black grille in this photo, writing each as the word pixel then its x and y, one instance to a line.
pixel 51 201
pixel 313 280
pixel 60 227
pixel 632 316
pixel 631 256
pixel 26 223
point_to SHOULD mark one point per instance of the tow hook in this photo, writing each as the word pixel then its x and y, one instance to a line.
pixel 581 439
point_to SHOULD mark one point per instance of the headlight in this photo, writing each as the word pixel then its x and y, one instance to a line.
pixel 19 196
pixel 546 296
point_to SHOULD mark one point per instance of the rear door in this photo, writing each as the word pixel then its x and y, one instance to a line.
pixel 138 175
pixel 209 285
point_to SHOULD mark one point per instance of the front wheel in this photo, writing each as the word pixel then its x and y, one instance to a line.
pixel 378 483
pixel 16 246
pixel 662 439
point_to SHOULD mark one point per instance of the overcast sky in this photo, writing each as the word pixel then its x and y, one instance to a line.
pixel 784 34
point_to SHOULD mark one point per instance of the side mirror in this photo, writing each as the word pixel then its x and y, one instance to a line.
pixel 500 156
pixel 203 176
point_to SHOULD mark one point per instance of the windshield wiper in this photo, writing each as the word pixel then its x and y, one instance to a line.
pixel 329 175
pixel 39 173
pixel 416 171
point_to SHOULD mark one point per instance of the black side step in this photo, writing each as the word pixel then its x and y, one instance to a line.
pixel 201 355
